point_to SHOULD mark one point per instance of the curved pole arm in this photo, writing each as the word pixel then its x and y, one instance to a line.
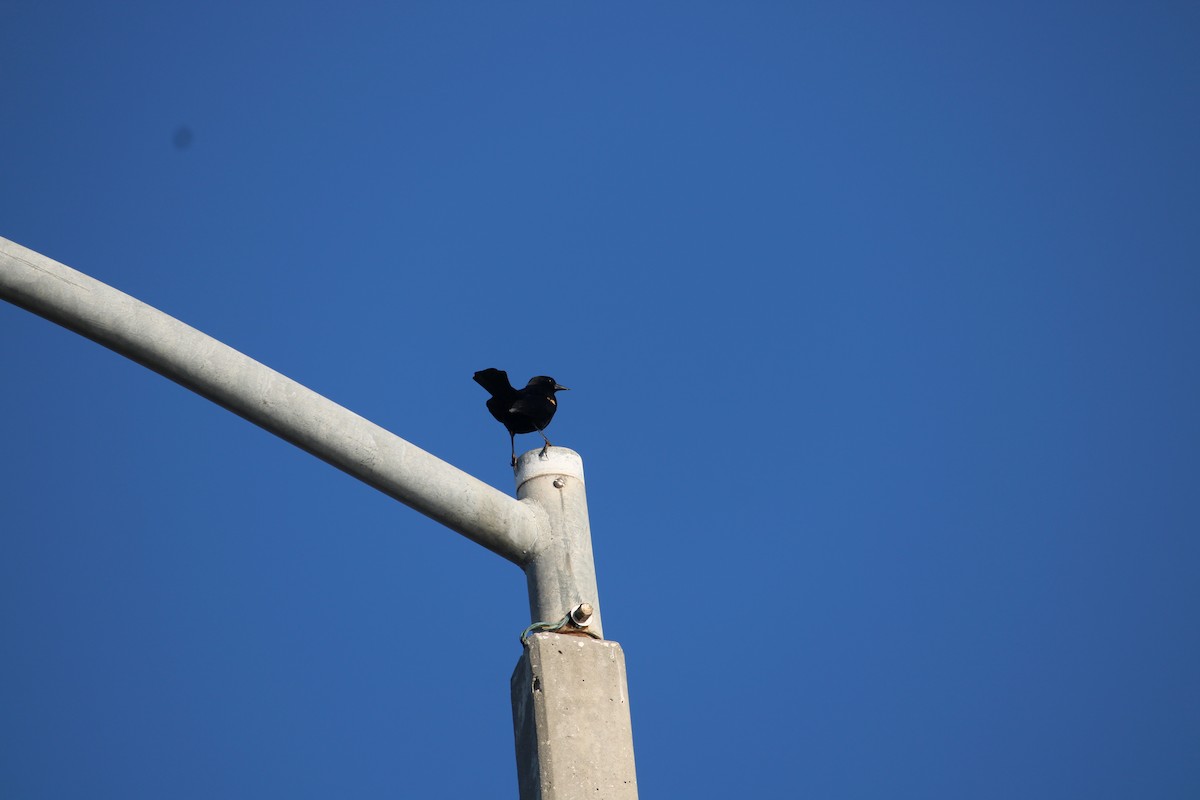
pixel 270 400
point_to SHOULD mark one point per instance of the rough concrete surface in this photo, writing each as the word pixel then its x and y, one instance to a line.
pixel 571 718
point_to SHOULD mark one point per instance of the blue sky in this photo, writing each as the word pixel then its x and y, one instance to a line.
pixel 881 325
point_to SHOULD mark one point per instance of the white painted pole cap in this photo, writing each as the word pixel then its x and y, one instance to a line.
pixel 557 461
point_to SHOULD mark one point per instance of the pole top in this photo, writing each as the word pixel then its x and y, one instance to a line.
pixel 557 461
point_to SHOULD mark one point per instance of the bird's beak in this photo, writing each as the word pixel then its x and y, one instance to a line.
pixel 558 388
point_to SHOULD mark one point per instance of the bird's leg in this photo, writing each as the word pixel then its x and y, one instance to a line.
pixel 543 433
pixel 512 443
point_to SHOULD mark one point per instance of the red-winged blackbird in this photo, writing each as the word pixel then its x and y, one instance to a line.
pixel 520 410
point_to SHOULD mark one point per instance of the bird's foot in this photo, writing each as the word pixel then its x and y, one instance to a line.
pixel 545 447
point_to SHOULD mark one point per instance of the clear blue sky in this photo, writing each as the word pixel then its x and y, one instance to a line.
pixel 881 322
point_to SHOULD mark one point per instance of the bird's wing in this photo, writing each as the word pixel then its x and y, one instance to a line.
pixel 494 380
pixel 533 405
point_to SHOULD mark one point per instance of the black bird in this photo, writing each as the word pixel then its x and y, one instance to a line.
pixel 520 410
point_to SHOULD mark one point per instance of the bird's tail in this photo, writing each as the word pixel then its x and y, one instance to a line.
pixel 494 380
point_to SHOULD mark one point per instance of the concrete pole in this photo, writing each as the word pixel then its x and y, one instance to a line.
pixel 571 720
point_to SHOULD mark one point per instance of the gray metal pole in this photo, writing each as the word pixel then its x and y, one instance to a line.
pixel 569 693
pixel 561 573
pixel 268 399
